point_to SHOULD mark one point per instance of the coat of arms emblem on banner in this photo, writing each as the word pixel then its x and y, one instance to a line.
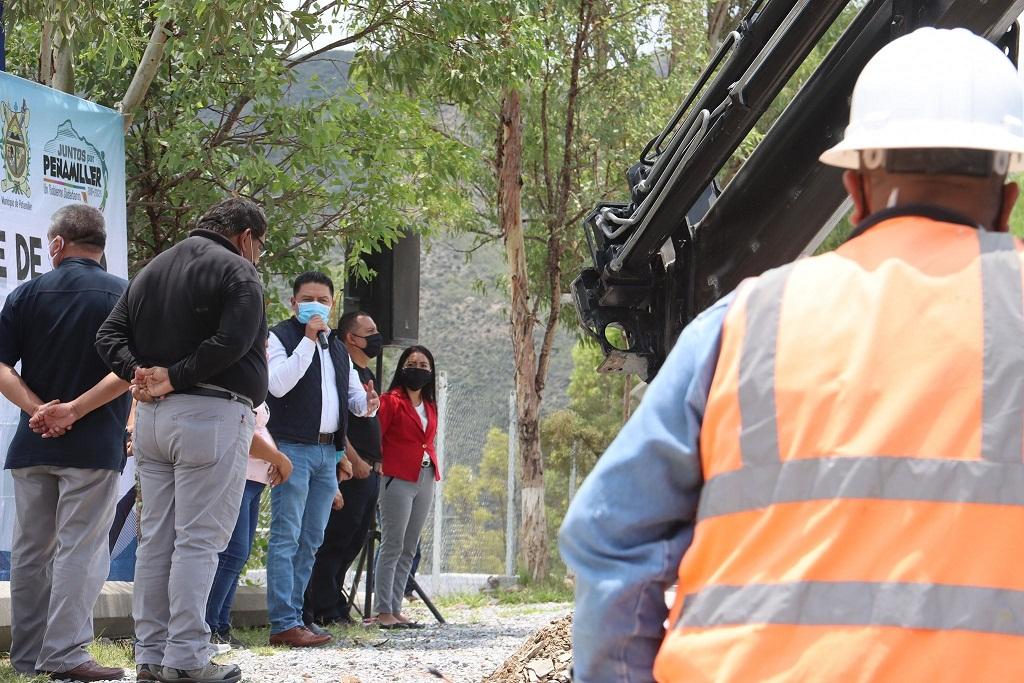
pixel 16 152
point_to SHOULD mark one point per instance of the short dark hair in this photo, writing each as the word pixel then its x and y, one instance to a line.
pixel 347 323
pixel 79 224
pixel 312 276
pixel 430 388
pixel 233 216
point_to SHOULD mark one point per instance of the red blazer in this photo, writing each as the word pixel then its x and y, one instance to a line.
pixel 403 440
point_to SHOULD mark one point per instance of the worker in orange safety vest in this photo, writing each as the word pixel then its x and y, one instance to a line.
pixel 830 463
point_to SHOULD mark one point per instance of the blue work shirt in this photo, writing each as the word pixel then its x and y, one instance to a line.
pixel 627 529
pixel 49 324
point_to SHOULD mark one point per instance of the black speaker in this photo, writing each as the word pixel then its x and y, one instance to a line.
pixel 392 297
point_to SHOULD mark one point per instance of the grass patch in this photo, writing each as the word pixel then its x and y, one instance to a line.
pixel 119 653
pixel 9 675
pixel 552 590
pixel 257 640
pixel 113 652
pixel 469 599
pixel 526 593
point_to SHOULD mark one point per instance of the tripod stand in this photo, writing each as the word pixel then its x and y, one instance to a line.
pixel 366 562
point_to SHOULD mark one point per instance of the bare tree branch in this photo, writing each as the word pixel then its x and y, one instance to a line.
pixel 555 243
pixel 145 72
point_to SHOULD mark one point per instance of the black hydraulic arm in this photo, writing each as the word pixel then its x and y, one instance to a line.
pixel 776 206
pixel 730 120
pixel 681 243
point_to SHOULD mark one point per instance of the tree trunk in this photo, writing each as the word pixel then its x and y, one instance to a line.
pixel 64 68
pixel 45 75
pixel 718 23
pixel 533 529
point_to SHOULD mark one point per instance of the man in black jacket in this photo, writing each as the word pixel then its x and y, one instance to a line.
pixel 192 329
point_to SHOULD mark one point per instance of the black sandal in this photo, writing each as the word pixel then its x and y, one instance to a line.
pixel 389 627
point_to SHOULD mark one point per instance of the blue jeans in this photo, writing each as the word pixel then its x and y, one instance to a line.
pixel 233 559
pixel 299 509
pixel 122 567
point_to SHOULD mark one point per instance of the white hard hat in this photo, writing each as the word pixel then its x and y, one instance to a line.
pixel 935 89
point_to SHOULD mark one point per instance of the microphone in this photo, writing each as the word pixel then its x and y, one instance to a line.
pixel 322 337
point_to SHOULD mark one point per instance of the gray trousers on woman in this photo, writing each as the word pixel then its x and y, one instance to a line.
pixel 403 510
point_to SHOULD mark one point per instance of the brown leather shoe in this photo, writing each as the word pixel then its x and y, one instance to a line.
pixel 146 672
pixel 299 636
pixel 89 671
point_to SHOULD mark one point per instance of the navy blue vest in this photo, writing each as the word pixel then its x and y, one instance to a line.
pixel 296 415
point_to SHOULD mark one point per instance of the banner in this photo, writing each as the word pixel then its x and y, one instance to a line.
pixel 57 150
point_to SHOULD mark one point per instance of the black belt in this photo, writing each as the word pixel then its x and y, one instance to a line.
pixel 218 393
pixel 326 438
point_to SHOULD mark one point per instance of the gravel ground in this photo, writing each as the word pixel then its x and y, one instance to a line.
pixel 474 642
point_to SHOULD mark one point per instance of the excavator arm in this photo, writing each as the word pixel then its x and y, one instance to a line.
pixel 681 241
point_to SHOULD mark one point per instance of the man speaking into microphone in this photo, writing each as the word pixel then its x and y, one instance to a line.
pixel 313 386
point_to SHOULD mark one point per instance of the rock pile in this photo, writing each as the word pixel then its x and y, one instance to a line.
pixel 545 658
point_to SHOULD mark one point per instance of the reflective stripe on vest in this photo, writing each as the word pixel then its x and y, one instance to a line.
pixel 816 603
pixel 760 473
pixel 876 478
pixel 1002 428
pixel 759 437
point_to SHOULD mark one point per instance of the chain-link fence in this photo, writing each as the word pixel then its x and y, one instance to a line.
pixel 472 528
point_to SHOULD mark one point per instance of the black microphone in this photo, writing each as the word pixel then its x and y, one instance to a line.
pixel 322 336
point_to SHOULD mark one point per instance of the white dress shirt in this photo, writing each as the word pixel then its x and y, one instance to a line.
pixel 421 410
pixel 286 371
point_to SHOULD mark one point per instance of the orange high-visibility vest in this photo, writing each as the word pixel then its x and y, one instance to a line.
pixel 862 517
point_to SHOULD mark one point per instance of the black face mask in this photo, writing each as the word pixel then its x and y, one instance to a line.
pixel 414 378
pixel 374 345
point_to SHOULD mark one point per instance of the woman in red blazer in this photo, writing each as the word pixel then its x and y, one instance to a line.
pixel 408 425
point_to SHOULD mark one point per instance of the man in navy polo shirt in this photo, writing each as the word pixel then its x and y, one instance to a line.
pixel 64 488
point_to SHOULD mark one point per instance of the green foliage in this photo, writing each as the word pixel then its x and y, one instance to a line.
pixel 458 50
pixel 480 494
pixel 580 432
pixel 594 415
pixel 237 107
pixel 1017 217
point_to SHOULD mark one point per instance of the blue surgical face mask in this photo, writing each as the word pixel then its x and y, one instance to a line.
pixel 307 309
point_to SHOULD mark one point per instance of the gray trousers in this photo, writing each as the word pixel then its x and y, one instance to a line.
pixel 59 560
pixel 191 453
pixel 403 510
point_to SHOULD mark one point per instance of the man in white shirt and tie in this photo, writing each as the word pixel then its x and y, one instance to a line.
pixel 313 386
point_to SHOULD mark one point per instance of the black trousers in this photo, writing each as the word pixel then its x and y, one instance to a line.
pixel 344 538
